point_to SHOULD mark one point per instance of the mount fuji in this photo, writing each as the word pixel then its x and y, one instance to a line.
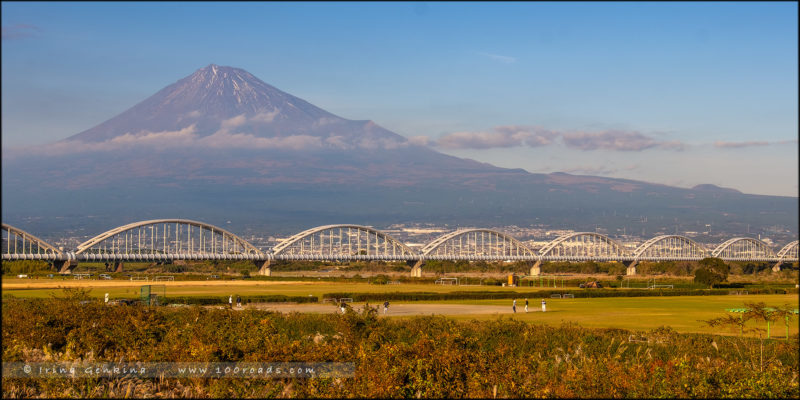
pixel 221 145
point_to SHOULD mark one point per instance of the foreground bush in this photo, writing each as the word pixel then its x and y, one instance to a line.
pixel 414 357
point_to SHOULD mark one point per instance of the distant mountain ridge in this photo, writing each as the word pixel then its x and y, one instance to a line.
pixel 714 188
pixel 222 144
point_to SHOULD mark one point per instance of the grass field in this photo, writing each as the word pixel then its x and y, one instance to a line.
pixel 684 314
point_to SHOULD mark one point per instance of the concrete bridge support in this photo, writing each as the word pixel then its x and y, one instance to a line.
pixel 416 268
pixel 114 267
pixel 536 269
pixel 65 266
pixel 263 267
pixel 631 267
pixel 777 266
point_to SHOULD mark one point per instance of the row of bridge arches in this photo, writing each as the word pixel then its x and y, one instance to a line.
pixel 171 238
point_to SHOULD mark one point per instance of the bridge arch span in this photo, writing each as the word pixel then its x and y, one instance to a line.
pixel 743 249
pixel 476 244
pixel 669 246
pixel 342 242
pixel 583 245
pixel 19 243
pixel 165 238
pixel 788 252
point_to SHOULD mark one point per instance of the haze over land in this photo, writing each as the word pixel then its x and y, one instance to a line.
pixel 221 145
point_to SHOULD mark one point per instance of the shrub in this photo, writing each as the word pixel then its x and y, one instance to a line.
pixel 429 356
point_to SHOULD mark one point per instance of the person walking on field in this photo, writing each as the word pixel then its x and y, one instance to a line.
pixel 544 306
pixel 514 305
pixel 238 301
pixel 230 301
pixel 526 305
pixel 385 306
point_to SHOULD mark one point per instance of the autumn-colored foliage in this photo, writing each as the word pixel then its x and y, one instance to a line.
pixel 410 357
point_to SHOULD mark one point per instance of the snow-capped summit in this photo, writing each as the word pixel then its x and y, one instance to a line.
pixel 217 98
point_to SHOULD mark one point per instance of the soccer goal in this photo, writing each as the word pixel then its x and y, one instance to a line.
pixel 164 278
pixel 567 296
pixel 447 281
pixel 153 295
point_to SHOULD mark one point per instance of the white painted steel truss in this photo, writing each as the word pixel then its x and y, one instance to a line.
pixel 342 242
pixel 584 246
pixel 22 244
pixel 744 249
pixel 477 244
pixel 180 239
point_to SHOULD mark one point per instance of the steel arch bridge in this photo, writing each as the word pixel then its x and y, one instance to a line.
pixel 21 245
pixel 669 247
pixel 744 249
pixel 788 252
pixel 166 240
pixel 584 246
pixel 342 242
pixel 477 245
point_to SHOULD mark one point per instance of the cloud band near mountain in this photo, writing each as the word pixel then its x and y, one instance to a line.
pixel 516 136
pixel 753 143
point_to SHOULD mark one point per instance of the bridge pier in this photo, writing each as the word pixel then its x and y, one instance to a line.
pixel 536 269
pixel 631 267
pixel 777 266
pixel 416 267
pixel 65 266
pixel 263 267
pixel 114 267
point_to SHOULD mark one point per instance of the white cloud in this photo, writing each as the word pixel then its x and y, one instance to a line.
pixel 501 136
pixel 419 141
pixel 338 142
pixel 225 140
pixel 265 116
pixel 497 57
pixel 751 143
pixel 234 122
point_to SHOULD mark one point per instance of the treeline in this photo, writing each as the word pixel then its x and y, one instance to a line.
pixel 417 357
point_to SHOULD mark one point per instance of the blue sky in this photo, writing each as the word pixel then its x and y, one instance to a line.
pixel 672 93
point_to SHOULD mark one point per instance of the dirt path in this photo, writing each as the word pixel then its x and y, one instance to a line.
pixel 394 309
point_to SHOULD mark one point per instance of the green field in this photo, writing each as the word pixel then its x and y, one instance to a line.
pixel 684 314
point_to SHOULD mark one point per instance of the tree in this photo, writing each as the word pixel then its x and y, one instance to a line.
pixel 711 271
